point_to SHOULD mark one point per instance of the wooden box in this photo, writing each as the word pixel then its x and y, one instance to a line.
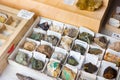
pixel 56 9
pixel 13 30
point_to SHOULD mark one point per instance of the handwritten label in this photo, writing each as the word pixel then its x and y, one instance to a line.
pixel 115 35
pixel 25 14
pixel 69 2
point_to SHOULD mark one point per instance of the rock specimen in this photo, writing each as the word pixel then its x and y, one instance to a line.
pixel 22 58
pixel 72 61
pixel 66 42
pixel 45 49
pixel 2 28
pixel 115 46
pixel 53 68
pixel 112 58
pixel 95 51
pixel 68 74
pixel 3 17
pixel 84 36
pixel 110 73
pixel 89 5
pixel 22 77
pixel 45 26
pixel 101 41
pixel 90 68
pixel 71 32
pixel 37 36
pixel 30 46
pixel 52 39
pixel 37 64
pixel 79 48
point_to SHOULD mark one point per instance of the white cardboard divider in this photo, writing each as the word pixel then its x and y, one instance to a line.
pixel 88 76
pixel 83 29
pixel 42 20
pixel 37 30
pixel 91 58
pixel 46 43
pixel 58 35
pixel 104 65
pixel 100 56
pixel 79 58
pixel 118 77
pixel 39 56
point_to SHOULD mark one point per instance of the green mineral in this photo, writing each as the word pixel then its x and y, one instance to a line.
pixel 52 39
pixel 37 64
pixel 37 36
pixel 84 36
pixel 79 48
pixel 95 51
pixel 22 58
pixel 71 60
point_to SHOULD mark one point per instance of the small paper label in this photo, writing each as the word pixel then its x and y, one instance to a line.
pixel 114 22
pixel 69 2
pixel 25 14
pixel 118 10
pixel 115 35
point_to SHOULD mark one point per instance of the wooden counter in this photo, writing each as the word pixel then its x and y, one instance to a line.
pixel 56 9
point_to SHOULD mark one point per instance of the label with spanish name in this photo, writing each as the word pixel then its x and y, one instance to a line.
pixel 69 2
pixel 118 9
pixel 114 22
pixel 25 14
pixel 115 35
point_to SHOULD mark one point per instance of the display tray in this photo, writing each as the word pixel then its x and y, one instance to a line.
pixel 56 9
pixel 12 28
pixel 93 52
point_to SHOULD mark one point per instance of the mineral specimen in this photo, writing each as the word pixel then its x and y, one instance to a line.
pixel 22 77
pixel 112 58
pixel 9 21
pixel 29 45
pixel 95 51
pixel 52 39
pixel 115 46
pixel 45 49
pixel 37 64
pixel 89 67
pixel 90 5
pixel 71 32
pixel 45 26
pixel 101 41
pixel 110 73
pixel 66 42
pixel 59 56
pixel 2 28
pixel 72 61
pixel 79 48
pixel 22 58
pixel 68 74
pixel 53 68
pixel 84 36
pixel 3 17
pixel 37 36
pixel 56 28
